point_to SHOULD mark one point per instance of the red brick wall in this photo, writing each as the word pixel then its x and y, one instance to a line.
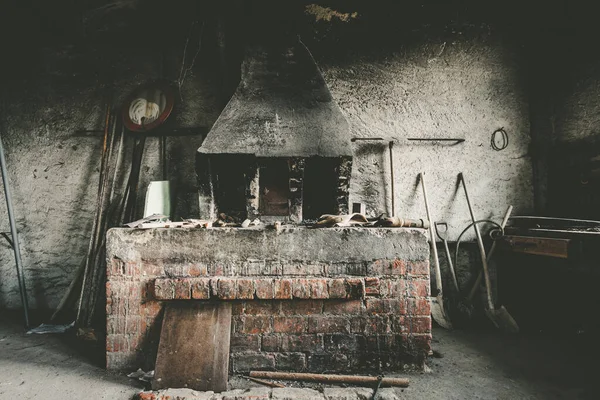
pixel 301 315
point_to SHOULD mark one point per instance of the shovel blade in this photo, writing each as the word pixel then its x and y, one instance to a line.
pixel 438 314
pixel 503 320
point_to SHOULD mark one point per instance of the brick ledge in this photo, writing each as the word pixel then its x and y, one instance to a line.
pixel 264 288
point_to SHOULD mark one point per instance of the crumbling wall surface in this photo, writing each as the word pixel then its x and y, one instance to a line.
pixel 54 169
pixel 453 87
pixel 429 70
pixel 334 299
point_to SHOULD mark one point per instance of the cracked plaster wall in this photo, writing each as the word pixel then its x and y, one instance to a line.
pixel 461 85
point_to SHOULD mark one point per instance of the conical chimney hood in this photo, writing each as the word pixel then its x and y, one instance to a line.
pixel 281 108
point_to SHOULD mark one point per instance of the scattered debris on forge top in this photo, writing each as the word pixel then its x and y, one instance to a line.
pixel 281 108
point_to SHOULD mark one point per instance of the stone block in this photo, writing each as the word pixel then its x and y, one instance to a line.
pixel 319 289
pixel 384 306
pixel 260 307
pixel 341 394
pixel 302 307
pixel 295 394
pixel 201 289
pixel 271 342
pixel 346 268
pixel 290 361
pixel 301 343
pixel 197 269
pixel 264 289
pixel 244 362
pixel 337 289
pixel 253 325
pixel 297 324
pixel 371 286
pixel 282 289
pixel 328 324
pixel 340 342
pixel 330 362
pixel 418 324
pixel 341 307
pixel 164 289
pixel 301 289
pixel 418 268
pixel 304 268
pixel 386 267
pixel 245 289
pixel 244 343
pixel 418 287
pixel 390 288
pixel 418 306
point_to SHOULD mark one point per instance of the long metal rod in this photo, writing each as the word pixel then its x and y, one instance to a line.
pixel 486 274
pixel 95 228
pixel 436 260
pixel 391 145
pixel 15 235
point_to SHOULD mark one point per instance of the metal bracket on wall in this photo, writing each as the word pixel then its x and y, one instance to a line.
pixel 8 239
pixel 456 140
pixel 436 140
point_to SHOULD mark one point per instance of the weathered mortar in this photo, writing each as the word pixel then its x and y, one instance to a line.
pixel 304 299
pixel 235 244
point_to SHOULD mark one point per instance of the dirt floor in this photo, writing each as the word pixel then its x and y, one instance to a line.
pixel 469 365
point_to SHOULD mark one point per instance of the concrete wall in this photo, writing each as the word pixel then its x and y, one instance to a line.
pixel 463 88
pixel 432 77
pixel 54 172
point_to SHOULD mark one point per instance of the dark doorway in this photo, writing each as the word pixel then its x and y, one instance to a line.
pixel 320 184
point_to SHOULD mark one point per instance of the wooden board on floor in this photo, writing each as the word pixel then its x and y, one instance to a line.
pixel 193 351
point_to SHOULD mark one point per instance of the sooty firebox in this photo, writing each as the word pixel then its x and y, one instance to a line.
pixel 280 150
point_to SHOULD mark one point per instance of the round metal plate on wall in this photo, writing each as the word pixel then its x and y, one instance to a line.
pixel 148 107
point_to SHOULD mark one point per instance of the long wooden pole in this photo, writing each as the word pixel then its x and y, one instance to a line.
pixel 326 378
pixel 15 235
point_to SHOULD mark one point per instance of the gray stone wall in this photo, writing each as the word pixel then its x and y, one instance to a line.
pixel 458 79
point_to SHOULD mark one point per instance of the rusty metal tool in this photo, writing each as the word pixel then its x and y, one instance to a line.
pixel 331 379
pixel 499 316
pixel 438 311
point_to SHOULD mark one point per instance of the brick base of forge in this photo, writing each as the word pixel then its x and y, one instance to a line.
pixel 315 300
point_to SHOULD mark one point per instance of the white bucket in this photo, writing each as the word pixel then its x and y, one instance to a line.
pixel 158 199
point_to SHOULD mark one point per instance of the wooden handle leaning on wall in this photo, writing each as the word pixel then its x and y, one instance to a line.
pixel 326 378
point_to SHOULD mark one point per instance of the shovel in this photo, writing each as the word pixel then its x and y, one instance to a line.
pixel 441 233
pixel 437 303
pixel 500 316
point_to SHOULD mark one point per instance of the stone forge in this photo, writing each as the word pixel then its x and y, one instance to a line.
pixel 336 299
pixel 280 150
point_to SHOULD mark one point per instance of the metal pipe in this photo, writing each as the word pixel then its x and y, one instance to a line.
pixel 457 140
pixel 436 260
pixel 392 178
pixel 486 275
pixel 15 235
